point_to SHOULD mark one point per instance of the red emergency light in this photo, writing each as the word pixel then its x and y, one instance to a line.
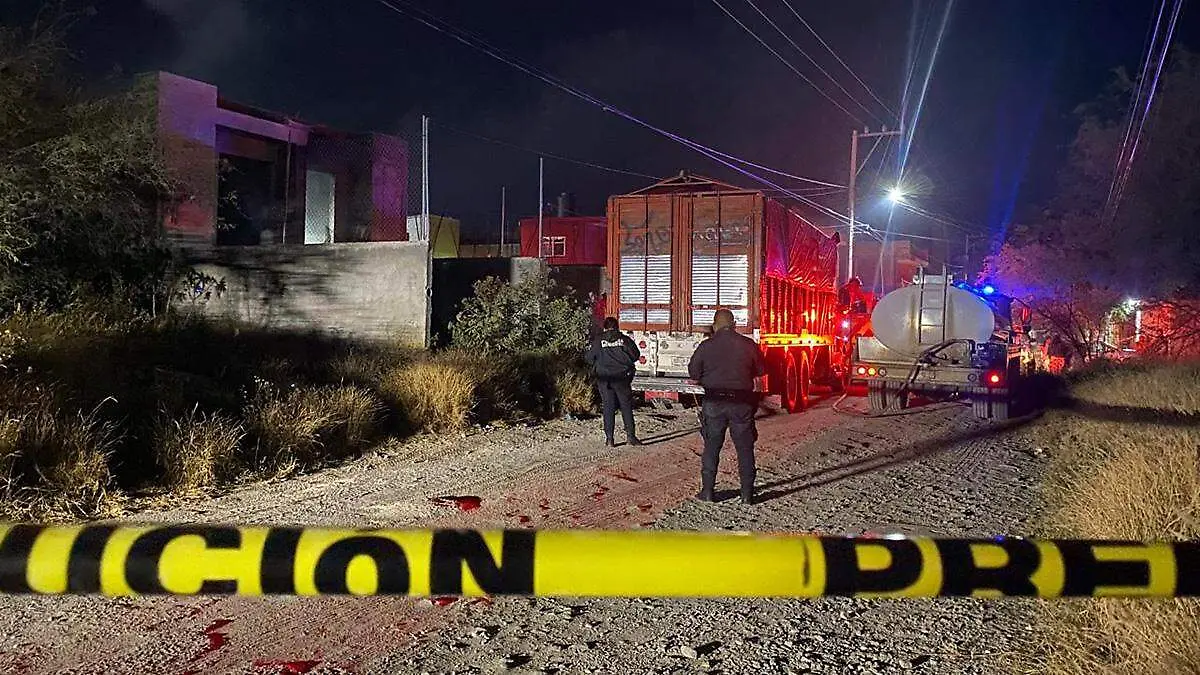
pixel 994 378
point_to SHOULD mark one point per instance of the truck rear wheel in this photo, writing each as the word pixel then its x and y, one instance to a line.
pixel 884 396
pixel 796 383
pixel 988 407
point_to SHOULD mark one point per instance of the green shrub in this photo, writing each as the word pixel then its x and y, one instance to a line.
pixel 530 316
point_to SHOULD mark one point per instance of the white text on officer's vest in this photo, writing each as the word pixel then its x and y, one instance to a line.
pixel 615 343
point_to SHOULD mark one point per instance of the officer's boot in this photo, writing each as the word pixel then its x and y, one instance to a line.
pixel 747 480
pixel 708 483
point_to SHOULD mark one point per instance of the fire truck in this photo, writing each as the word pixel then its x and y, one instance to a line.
pixel 682 248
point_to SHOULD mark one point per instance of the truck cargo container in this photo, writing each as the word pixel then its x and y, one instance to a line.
pixel 687 246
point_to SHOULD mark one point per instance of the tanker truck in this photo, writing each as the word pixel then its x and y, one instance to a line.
pixel 940 339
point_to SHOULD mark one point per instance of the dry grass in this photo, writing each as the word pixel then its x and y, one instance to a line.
pixel 433 394
pixel 1122 480
pixel 198 450
pixel 53 462
pixel 305 427
pixel 576 395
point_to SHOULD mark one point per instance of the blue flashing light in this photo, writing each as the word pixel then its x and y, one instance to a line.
pixel 988 290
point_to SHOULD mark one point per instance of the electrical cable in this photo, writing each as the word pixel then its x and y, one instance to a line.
pixel 812 61
pixel 547 155
pixel 839 59
pixel 465 37
pixel 787 63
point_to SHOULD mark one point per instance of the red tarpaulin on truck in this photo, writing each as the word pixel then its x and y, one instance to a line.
pixel 797 251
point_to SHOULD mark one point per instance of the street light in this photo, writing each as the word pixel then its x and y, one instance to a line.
pixel 896 195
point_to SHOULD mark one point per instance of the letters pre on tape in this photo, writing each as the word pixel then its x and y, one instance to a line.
pixel 185 560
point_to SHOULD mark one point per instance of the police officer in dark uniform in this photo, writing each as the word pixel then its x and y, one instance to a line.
pixel 612 357
pixel 726 365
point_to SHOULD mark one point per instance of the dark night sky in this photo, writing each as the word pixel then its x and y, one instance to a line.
pixel 992 130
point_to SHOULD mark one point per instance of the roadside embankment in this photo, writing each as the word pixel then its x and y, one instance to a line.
pixel 1125 465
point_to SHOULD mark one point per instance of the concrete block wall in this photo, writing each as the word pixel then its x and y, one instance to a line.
pixel 368 291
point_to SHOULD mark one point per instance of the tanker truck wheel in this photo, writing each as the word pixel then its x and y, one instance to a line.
pixel 877 396
pixel 990 407
pixel 885 396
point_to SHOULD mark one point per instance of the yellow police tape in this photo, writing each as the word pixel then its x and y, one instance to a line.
pixel 194 559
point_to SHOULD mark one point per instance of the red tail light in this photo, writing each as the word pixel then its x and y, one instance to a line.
pixel 994 378
pixel 641 359
pixel 642 344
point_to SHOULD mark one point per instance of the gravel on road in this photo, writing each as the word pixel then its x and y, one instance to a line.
pixel 934 471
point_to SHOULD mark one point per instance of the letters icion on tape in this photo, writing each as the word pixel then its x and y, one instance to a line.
pixel 118 560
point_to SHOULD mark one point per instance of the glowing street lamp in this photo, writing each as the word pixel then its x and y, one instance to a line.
pixel 896 195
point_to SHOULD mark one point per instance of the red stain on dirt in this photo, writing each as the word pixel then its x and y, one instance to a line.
pixel 216 639
pixel 544 505
pixel 481 601
pixel 463 502
pixel 624 476
pixel 600 492
pixel 645 507
pixel 443 601
pixel 525 520
pixel 288 667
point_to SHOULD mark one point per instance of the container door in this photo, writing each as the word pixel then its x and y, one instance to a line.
pixel 644 271
pixel 720 260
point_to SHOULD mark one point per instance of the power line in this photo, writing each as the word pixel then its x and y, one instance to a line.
pixel 466 38
pixel 548 155
pixel 839 59
pixel 812 61
pixel 1125 160
pixel 787 63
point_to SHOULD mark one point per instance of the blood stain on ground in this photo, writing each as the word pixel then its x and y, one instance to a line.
pixel 463 502
pixel 288 667
pixel 481 601
pixel 624 476
pixel 443 601
pixel 544 505
pixel 216 639
pixel 525 520
pixel 645 507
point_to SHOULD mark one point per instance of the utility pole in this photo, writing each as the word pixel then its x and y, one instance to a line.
pixel 852 187
pixel 503 216
pixel 425 178
pixel 541 202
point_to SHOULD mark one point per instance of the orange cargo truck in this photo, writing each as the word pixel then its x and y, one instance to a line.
pixel 687 246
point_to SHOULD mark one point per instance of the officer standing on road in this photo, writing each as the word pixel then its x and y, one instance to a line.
pixel 612 357
pixel 726 365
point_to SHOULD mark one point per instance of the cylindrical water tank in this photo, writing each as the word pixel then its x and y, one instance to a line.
pixel 898 322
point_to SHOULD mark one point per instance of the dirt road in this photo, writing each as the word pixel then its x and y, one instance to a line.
pixel 935 471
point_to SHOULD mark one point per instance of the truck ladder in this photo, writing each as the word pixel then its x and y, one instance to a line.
pixel 931 320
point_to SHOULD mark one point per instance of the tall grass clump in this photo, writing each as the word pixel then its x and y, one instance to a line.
pixel 54 461
pixel 1125 467
pixel 435 394
pixel 297 428
pixel 198 449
